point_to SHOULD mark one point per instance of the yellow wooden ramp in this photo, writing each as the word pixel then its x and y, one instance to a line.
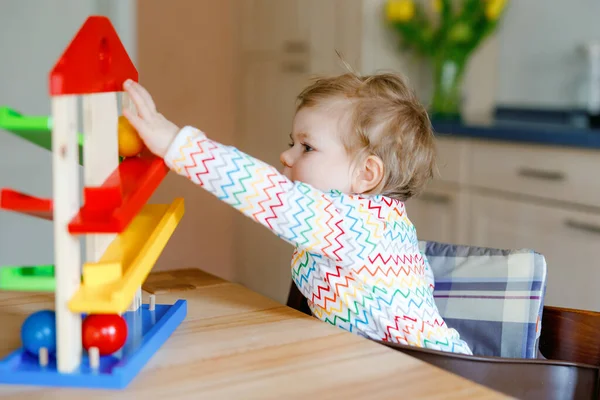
pixel 110 284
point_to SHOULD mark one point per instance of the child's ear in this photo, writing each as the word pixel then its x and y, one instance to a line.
pixel 369 175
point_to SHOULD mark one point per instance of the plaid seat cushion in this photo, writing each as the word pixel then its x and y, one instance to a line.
pixel 494 298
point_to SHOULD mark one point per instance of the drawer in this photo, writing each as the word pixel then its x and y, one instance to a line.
pixel 451 159
pixel 567 239
pixel 553 173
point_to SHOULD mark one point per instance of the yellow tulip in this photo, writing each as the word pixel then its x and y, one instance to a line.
pixel 437 5
pixel 400 10
pixel 494 8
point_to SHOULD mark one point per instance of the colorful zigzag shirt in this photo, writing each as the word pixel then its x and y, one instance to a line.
pixel 357 259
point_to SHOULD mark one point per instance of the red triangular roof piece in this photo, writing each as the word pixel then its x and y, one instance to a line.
pixel 95 61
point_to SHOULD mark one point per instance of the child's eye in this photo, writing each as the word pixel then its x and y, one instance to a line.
pixel 307 148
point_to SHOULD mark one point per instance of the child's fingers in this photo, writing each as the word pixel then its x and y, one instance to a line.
pixel 138 99
pixel 135 98
pixel 137 122
pixel 147 98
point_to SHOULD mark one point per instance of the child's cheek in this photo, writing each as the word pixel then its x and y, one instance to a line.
pixel 311 172
pixel 301 172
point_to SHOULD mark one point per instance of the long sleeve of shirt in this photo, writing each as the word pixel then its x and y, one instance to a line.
pixel 296 212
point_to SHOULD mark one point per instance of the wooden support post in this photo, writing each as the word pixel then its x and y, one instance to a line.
pixel 100 155
pixel 67 251
pixel 136 303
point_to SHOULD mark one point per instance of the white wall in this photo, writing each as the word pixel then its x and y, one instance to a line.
pixel 533 59
pixel 379 45
pixel 33 34
pixel 539 63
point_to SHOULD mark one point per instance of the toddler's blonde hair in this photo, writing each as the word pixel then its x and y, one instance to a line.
pixel 386 120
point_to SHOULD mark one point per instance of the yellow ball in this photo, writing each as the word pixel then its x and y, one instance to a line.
pixel 130 143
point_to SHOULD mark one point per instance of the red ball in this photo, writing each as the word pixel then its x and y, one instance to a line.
pixel 107 332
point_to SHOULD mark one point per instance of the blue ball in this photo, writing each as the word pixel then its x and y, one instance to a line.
pixel 39 330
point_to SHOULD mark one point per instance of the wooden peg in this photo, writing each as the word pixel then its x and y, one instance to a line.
pixel 152 302
pixel 94 355
pixel 43 357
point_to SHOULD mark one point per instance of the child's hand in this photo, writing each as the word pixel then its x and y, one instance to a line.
pixel 155 130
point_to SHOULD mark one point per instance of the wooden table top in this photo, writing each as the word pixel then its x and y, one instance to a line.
pixel 237 344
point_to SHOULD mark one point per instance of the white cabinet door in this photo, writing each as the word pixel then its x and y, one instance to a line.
pixel 282 43
pixel 272 25
pixel 438 215
pixel 267 112
pixel 309 30
pixel 569 240
pixel 269 90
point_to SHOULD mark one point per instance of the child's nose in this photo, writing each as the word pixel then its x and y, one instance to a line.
pixel 286 159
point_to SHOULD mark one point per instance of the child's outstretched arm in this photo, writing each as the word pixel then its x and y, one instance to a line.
pixel 296 212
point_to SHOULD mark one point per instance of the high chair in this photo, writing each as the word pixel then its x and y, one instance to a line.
pixel 495 299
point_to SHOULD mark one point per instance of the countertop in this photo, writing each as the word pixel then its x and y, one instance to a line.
pixel 551 134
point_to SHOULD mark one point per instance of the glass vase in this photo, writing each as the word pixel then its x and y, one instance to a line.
pixel 448 77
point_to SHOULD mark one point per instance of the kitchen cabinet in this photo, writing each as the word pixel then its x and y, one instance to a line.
pixel 568 240
pixel 520 196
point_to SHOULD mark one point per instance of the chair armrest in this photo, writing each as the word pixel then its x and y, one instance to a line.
pixel 527 379
pixel 570 335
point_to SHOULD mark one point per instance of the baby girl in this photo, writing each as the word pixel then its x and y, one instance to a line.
pixel 360 146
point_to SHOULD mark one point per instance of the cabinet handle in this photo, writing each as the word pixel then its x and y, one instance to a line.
pixel 294 67
pixel 295 46
pixel 435 198
pixel 583 226
pixel 541 174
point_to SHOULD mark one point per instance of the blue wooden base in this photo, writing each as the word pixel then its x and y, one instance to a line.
pixel 147 331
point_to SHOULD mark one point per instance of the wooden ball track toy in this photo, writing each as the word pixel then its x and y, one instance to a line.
pixel 99 335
